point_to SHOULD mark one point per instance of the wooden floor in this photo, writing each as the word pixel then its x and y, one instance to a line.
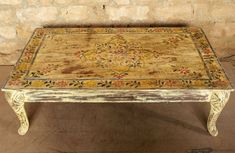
pixel 117 128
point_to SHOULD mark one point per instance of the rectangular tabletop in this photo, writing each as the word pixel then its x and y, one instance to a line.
pixel 118 58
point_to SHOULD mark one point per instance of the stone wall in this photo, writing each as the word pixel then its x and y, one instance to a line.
pixel 20 17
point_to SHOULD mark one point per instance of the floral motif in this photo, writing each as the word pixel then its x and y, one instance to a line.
pixel 174 41
pixel 14 82
pixel 61 83
pixel 133 84
pixel 184 70
pixel 106 84
pixel 49 83
pixel 207 51
pixel 187 83
pixel 76 83
pixel 120 57
pixel 118 84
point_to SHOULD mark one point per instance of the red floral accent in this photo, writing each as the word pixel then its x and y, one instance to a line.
pixel 27 57
pixel 14 82
pixel 45 70
pixel 118 83
pixel 61 84
pixel 207 51
pixel 184 70
pixel 119 76
pixel 48 68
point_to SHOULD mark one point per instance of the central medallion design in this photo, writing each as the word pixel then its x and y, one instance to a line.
pixel 120 56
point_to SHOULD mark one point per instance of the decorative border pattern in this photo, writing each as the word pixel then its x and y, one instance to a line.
pixel 218 79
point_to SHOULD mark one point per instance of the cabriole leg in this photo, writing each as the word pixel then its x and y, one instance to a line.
pixel 217 102
pixel 16 101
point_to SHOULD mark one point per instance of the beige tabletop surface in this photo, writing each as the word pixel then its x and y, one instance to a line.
pixel 118 58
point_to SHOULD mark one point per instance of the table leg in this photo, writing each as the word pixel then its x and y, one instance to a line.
pixel 217 102
pixel 16 101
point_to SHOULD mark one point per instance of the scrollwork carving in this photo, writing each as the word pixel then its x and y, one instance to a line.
pixel 16 101
pixel 217 102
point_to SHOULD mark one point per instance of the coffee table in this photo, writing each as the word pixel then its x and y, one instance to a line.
pixel 98 65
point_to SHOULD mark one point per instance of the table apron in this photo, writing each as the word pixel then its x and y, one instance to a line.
pixel 99 96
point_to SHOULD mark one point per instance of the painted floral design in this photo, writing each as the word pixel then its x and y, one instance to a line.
pixel 121 57
pixel 184 70
pixel 61 83
pixel 118 56
pixel 76 83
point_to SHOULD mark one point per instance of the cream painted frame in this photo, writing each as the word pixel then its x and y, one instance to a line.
pixel 216 98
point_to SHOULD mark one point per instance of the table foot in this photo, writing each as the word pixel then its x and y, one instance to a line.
pixel 217 102
pixel 16 101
